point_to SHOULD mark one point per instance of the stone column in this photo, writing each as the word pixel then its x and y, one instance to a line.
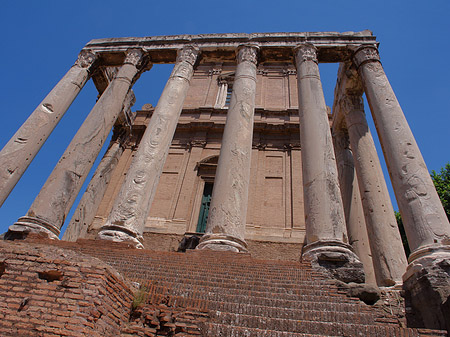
pixel 20 151
pixel 424 218
pixel 225 229
pixel 385 241
pixel 351 199
pixel 51 206
pixel 89 203
pixel 126 221
pixel 327 245
pixel 427 227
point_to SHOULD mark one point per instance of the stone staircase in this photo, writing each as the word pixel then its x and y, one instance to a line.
pixel 206 293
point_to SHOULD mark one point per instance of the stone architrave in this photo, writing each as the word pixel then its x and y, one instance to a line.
pixel 426 281
pixel 225 229
pixel 21 149
pixel 351 199
pixel 51 206
pixel 126 221
pixel 327 245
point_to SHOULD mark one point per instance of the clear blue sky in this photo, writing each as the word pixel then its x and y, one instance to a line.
pixel 41 39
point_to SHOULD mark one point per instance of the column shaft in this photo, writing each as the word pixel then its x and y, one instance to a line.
pixel 225 229
pixel 89 203
pixel 386 244
pixel 424 218
pixel 351 199
pixel 326 234
pixel 20 151
pixel 126 221
pixel 51 206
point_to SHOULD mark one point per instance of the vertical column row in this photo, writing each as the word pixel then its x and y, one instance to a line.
pixel 53 203
pixel 351 199
pixel 426 223
pixel 326 237
pixel 127 218
pixel 20 151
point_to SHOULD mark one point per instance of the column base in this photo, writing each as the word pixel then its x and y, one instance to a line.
pixel 28 224
pixel 336 259
pixel 121 234
pixel 222 242
pixel 426 284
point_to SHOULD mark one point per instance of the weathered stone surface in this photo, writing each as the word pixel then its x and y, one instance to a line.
pixel 351 199
pixel 335 259
pixel 385 242
pixel 427 291
pixel 368 293
pixel 221 47
pixel 20 151
pixel 88 205
pixel 327 244
pixel 422 213
pixel 60 190
pixel 225 229
pixel 127 217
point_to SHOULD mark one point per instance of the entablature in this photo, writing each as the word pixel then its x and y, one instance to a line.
pixel 274 47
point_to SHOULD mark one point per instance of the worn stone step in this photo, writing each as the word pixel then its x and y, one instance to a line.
pixel 221 330
pixel 314 327
pixel 239 295
pixel 327 315
pixel 224 330
pixel 185 281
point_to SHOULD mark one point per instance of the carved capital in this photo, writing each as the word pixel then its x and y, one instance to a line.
pixel 134 57
pixel 364 54
pixel 86 59
pixel 306 52
pixel 197 143
pixel 247 52
pixel 188 54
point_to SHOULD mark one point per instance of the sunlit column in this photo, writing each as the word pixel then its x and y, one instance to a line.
pixel 20 151
pixel 126 221
pixel 225 228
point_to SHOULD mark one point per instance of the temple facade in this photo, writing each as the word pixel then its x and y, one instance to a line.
pixel 241 151
pixel 275 215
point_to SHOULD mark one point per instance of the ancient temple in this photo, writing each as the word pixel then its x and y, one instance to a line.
pixel 242 154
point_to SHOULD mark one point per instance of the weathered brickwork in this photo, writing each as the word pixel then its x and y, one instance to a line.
pixel 198 293
pixel 49 291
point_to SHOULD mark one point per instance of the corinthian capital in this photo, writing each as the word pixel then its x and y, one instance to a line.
pixel 86 59
pixel 247 52
pixel 306 52
pixel 189 54
pixel 134 57
pixel 366 53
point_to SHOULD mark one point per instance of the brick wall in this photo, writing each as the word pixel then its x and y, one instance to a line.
pixel 48 291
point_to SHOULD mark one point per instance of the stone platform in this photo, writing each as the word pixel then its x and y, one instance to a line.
pixel 89 288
